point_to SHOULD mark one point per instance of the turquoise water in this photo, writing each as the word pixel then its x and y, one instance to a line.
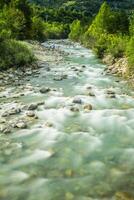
pixel 85 155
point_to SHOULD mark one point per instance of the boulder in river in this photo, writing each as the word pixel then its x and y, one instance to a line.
pixel 87 107
pixel 30 113
pixel 14 111
pixel 110 92
pixel 21 125
pixel 49 124
pixel 5 129
pixel 91 94
pixel 33 106
pixel 74 109
pixel 77 100
pixel 44 90
pixel 58 78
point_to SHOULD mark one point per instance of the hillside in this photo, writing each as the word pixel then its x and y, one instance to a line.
pixel 86 6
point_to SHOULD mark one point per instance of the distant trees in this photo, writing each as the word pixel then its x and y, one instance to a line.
pixel 111 32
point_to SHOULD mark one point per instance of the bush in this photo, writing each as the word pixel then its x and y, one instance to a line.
pixel 37 31
pixel 55 30
pixel 100 45
pixel 130 54
pixel 76 30
pixel 14 54
pixel 12 20
pixel 116 45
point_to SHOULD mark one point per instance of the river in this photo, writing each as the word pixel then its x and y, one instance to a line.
pixel 80 145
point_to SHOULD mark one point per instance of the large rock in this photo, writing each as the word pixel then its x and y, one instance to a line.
pixel 33 106
pixel 87 107
pixel 74 109
pixel 108 59
pixel 30 114
pixel 44 90
pixel 5 129
pixel 91 94
pixel 21 125
pixel 77 100
pixel 14 111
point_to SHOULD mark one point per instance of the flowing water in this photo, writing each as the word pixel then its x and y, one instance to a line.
pixel 70 154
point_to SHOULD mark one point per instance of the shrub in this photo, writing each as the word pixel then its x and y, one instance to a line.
pixel 12 20
pixel 76 30
pixel 130 54
pixel 14 54
pixel 55 30
pixel 37 31
pixel 116 45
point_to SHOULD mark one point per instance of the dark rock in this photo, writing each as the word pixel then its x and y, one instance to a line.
pixel 44 90
pixel 74 109
pixel 32 106
pixel 77 101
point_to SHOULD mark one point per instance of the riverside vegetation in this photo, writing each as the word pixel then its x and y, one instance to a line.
pixel 108 33
pixel 111 32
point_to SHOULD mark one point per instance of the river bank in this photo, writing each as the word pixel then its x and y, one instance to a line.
pixel 118 67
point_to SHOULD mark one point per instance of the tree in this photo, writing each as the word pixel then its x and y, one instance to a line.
pixel 25 7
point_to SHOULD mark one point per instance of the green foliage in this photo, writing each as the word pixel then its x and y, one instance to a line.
pixel 37 29
pixel 76 30
pixel 17 21
pixel 131 28
pixel 55 30
pixel 106 34
pixel 130 54
pixel 12 20
pixel 14 54
pixel 108 22
pixel 116 45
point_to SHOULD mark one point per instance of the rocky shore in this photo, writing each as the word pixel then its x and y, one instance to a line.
pixel 118 67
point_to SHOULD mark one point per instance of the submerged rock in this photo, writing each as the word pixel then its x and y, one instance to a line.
pixel 77 100
pixel 49 124
pixel 74 109
pixel 58 78
pixel 91 94
pixel 110 92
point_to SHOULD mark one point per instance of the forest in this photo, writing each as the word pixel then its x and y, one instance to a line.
pixel 107 28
